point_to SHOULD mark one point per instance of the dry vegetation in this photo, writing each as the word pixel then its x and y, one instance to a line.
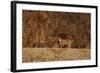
pixel 54 54
pixel 51 36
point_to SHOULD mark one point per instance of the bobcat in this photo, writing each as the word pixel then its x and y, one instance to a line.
pixel 65 42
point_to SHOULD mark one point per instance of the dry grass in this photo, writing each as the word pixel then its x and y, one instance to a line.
pixel 55 54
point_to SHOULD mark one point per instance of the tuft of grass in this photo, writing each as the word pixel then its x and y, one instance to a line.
pixel 55 54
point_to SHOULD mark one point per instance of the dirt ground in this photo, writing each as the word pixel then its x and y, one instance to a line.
pixel 55 54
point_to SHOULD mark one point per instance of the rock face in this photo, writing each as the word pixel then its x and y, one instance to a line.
pixel 44 28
